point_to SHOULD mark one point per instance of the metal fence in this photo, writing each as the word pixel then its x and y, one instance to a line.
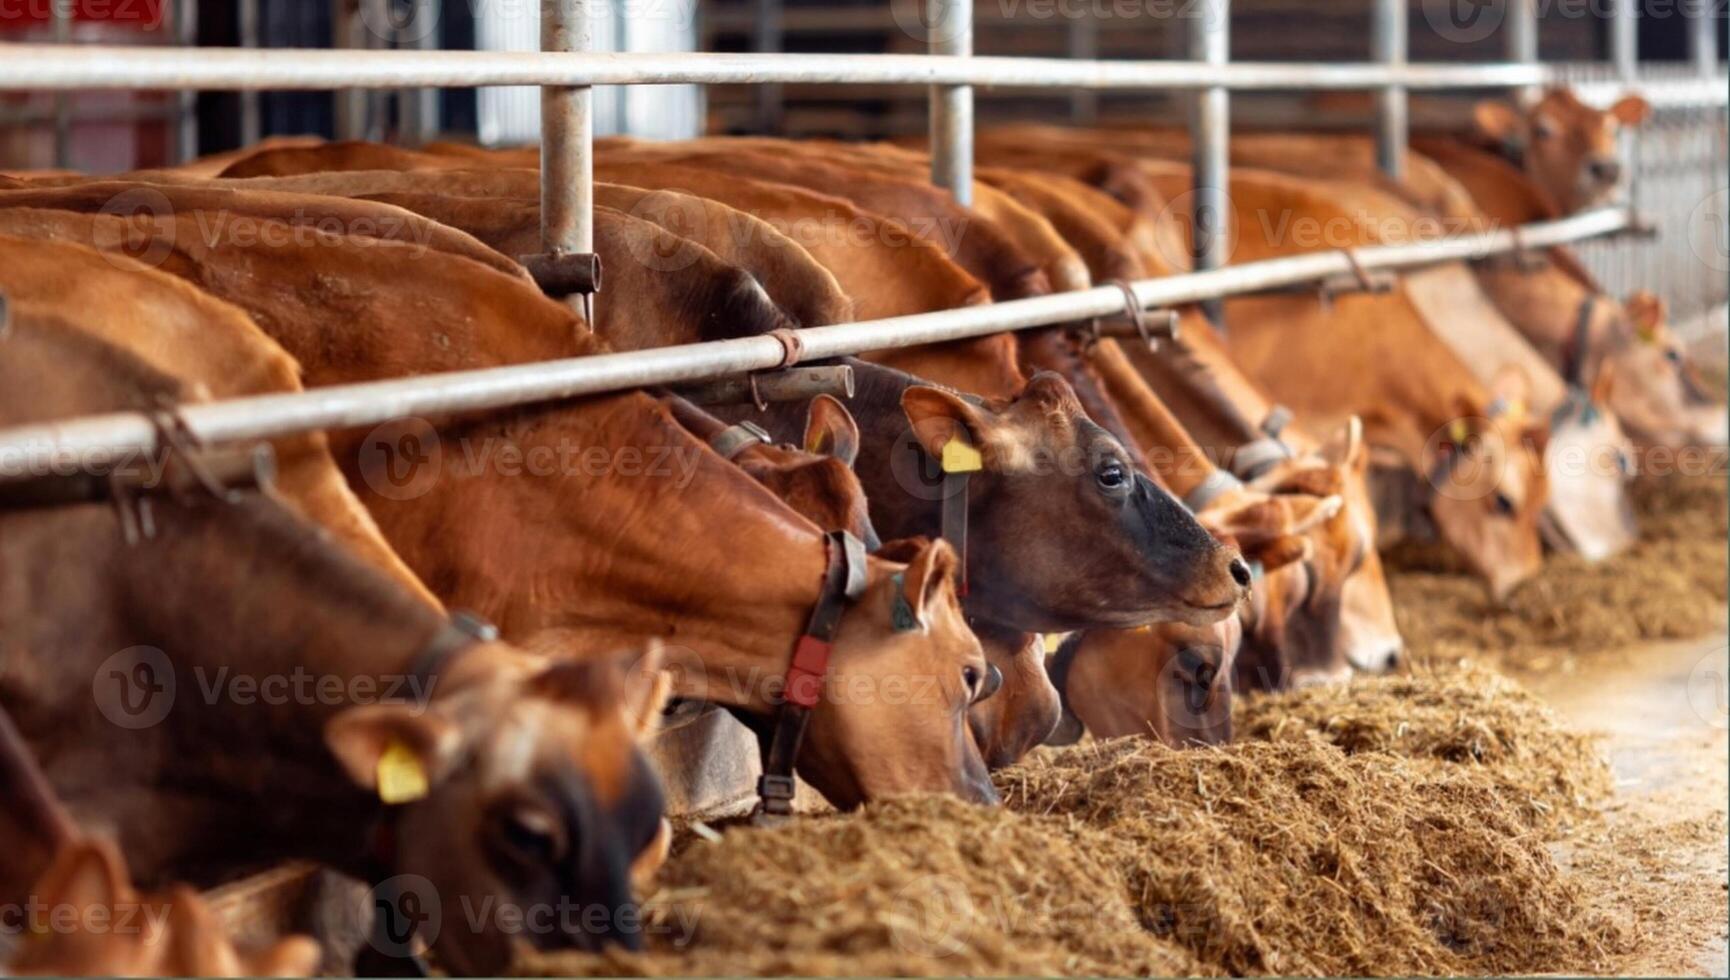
pixel 567 70
pixel 1680 182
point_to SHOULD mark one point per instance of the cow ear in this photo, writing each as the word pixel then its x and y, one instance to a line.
pixel 1279 552
pixel 927 573
pixel 1631 110
pixel 396 750
pixel 1345 448
pixel 937 417
pixel 1255 524
pixel 1496 119
pixel 1645 310
pixel 831 431
pixel 647 687
pixel 86 872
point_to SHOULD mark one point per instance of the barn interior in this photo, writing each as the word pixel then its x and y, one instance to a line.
pixel 1396 330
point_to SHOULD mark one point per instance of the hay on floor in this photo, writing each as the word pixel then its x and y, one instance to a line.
pixel 1672 584
pixel 1343 841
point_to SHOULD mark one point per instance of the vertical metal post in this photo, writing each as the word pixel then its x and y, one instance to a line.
pixel 1703 38
pixel 1522 38
pixel 186 103
pixel 1391 118
pixel 951 27
pixel 1625 38
pixel 1209 30
pixel 567 136
pixel 418 108
pixel 349 32
pixel 1084 46
pixel 251 116
pixel 61 11
pixel 769 37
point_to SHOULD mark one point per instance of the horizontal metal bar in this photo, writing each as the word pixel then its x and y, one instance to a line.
pixel 61 447
pixel 57 67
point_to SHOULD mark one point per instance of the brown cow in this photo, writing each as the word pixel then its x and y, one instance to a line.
pixel 115 931
pixel 513 549
pixel 492 741
pixel 1565 145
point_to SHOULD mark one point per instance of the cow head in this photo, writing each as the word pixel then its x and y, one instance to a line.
pixel 1272 531
pixel 817 480
pixel 1590 463
pixel 1566 146
pixel 904 673
pixel 1170 681
pixel 1487 485
pixel 524 792
pixel 172 933
pixel 1011 722
pixel 1063 532
pixel 1656 391
pixel 1326 634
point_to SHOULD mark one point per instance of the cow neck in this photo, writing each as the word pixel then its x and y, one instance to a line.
pixel 1176 458
pixel 640 534
pixel 256 596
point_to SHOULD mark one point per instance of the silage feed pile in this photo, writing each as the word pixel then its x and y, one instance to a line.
pixel 1336 837
pixel 1671 585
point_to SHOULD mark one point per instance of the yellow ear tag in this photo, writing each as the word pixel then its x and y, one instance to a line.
pixel 400 776
pixel 1516 410
pixel 1459 432
pixel 959 457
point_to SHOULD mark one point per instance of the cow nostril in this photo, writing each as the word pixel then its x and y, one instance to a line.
pixel 1606 171
pixel 1393 661
pixel 1240 572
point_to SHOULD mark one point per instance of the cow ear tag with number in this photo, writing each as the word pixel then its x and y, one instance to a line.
pixel 401 777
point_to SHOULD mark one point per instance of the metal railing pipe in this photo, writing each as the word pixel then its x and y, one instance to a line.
pixel 43 67
pixel 567 136
pixel 1703 37
pixel 951 25
pixel 1209 29
pixel 61 13
pixel 1625 38
pixel 1389 43
pixel 251 111
pixel 185 13
pixel 58 447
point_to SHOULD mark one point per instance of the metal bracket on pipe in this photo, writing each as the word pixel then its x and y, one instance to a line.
pixel 760 388
pixel 1639 226
pixel 1521 259
pixel 1151 326
pixel 562 274
pixel 1372 282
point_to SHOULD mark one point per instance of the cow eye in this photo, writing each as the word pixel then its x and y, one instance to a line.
pixel 1504 505
pixel 1111 475
pixel 1674 356
pixel 1543 128
pixel 529 836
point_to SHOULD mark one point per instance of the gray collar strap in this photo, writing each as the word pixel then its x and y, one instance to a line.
pixel 1217 483
pixel 735 439
pixel 1256 458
